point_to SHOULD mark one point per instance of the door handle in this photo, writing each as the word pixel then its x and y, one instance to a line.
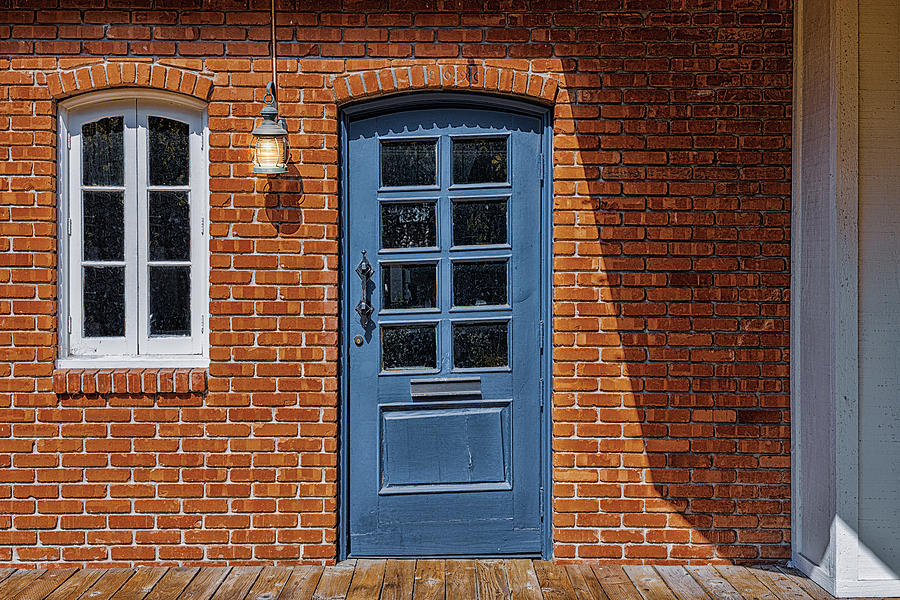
pixel 364 309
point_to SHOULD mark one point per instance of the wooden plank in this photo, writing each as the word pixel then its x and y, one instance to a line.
pixel 555 583
pixel 302 583
pixel 746 583
pixel 523 581
pixel 270 583
pixel 648 582
pixel 491 580
pixel 780 585
pixel 238 583
pixel 367 579
pixel 460 580
pixel 681 583
pixel 585 583
pixel 75 585
pixel 172 583
pixel 108 584
pixel 399 579
pixel 335 581
pixel 714 584
pixel 4 573
pixel 43 585
pixel 809 586
pixel 429 584
pixel 615 582
pixel 16 582
pixel 205 583
pixel 140 584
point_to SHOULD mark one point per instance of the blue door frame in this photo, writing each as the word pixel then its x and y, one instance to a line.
pixel 350 285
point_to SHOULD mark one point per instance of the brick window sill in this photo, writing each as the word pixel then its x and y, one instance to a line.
pixel 129 381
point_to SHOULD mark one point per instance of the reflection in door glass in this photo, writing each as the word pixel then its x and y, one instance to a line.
pixel 408 163
pixel 408 347
pixel 409 286
pixel 408 225
pixel 479 283
pixel 479 160
pixel 478 222
pixel 479 345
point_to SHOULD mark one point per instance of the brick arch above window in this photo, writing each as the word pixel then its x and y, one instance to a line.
pixel 128 74
pixel 477 77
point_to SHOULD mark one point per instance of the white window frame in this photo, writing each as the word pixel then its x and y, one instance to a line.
pixel 137 349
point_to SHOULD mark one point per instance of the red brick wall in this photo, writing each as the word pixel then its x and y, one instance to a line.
pixel 671 273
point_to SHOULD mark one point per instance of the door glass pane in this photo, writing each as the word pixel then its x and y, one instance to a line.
pixel 409 285
pixel 169 214
pixel 408 225
pixel 478 222
pixel 103 221
pixel 479 160
pixel 409 162
pixel 168 149
pixel 103 296
pixel 408 347
pixel 477 345
pixel 479 283
pixel 102 153
pixel 170 300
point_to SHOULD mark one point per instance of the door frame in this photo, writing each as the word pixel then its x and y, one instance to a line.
pixel 413 100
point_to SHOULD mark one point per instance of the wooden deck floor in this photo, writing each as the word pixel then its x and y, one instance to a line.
pixel 412 580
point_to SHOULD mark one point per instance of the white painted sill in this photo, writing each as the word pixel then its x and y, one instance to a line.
pixel 190 361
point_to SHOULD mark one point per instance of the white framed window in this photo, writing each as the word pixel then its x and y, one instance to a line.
pixel 133 250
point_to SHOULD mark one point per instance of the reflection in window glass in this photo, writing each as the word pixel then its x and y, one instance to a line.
pixel 168 152
pixel 409 162
pixel 408 225
pixel 409 286
pixel 103 224
pixel 102 152
pixel 103 296
pixel 479 160
pixel 478 222
pixel 169 236
pixel 479 283
pixel 170 300
pixel 480 345
pixel 408 347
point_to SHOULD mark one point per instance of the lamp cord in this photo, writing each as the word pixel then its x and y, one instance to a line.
pixel 274 84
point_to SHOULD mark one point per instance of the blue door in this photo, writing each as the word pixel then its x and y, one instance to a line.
pixel 443 364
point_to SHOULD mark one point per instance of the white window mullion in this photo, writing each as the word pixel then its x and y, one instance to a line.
pixel 199 244
pixel 73 243
pixel 140 238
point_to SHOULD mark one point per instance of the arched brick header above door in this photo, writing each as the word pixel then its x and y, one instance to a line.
pixel 128 74
pixel 370 84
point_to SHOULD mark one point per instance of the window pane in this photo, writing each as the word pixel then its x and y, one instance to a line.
pixel 408 225
pixel 102 154
pixel 409 286
pixel 169 227
pixel 103 291
pixel 479 283
pixel 479 160
pixel 103 221
pixel 169 154
pixel 477 345
pixel 479 222
pixel 170 301
pixel 408 347
pixel 408 163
